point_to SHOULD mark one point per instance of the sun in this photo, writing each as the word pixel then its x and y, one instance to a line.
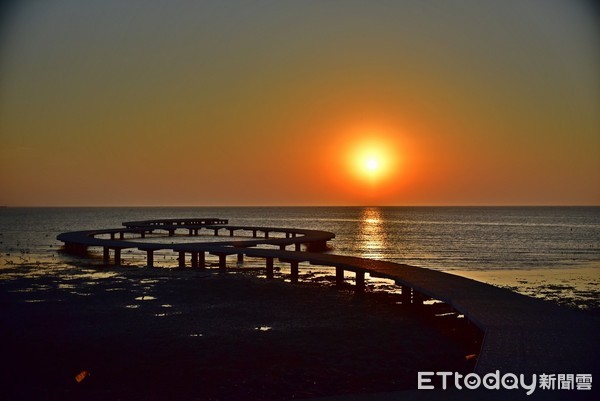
pixel 371 160
pixel 372 164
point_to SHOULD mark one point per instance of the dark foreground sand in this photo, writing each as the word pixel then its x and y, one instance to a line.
pixel 184 335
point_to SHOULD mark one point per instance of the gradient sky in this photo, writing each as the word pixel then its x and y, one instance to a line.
pixel 263 102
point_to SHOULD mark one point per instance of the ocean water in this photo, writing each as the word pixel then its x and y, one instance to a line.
pixel 481 240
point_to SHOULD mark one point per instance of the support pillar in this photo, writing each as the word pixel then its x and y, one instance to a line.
pixel 406 295
pixel 270 268
pixel 194 260
pixel 150 258
pixel 222 261
pixel 231 233
pixel 121 235
pixel 266 234
pixel 339 276
pixel 117 257
pixel 190 232
pixel 240 258
pixel 106 255
pixel 112 235
pixel 287 235
pixel 181 259
pixel 417 298
pixel 216 230
pixel 360 281
pixel 253 233
pixel 282 247
pixel 297 247
pixel 143 233
pixel 201 260
pixel 294 271
pixel 171 233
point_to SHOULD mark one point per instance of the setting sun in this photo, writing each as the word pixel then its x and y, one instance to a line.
pixel 373 159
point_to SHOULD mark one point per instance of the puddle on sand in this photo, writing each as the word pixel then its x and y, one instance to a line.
pixel 145 298
pixel 263 328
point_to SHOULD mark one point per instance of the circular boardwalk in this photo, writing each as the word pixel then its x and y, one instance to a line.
pixel 521 334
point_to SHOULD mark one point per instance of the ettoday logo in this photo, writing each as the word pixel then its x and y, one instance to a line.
pixel 507 381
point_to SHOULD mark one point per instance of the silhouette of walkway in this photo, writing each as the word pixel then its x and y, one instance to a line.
pixel 521 334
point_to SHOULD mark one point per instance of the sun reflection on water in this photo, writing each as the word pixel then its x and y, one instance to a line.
pixel 372 237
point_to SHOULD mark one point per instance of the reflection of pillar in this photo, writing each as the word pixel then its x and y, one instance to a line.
pixel 150 258
pixel 201 260
pixel 117 257
pixel 181 259
pixel 269 267
pixel 360 281
pixel 339 275
pixel 294 271
pixel 106 256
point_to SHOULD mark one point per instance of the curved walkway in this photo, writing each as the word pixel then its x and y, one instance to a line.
pixel 522 334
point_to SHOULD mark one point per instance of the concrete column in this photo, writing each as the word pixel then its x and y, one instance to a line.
pixel 269 267
pixel 287 235
pixel 201 260
pixel 143 234
pixel 297 247
pixel 117 257
pixel 282 247
pixel 121 235
pixel 231 233
pixel 222 261
pixel 191 232
pixel 266 234
pixel 150 258
pixel 253 233
pixel 240 258
pixel 106 255
pixel 194 260
pixel 171 233
pixel 216 232
pixel 406 295
pixel 181 259
pixel 112 235
pixel 360 281
pixel 339 276
pixel 417 298
pixel 294 271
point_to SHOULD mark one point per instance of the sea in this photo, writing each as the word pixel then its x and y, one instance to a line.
pixel 548 252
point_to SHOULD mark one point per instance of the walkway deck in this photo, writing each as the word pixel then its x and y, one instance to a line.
pixel 522 334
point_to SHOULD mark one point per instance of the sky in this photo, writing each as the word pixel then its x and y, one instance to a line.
pixel 185 103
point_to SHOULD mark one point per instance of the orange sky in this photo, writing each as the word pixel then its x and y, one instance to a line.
pixel 475 103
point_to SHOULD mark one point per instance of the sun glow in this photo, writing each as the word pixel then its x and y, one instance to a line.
pixel 372 159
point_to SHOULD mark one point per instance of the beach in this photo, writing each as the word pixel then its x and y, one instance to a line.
pixel 172 334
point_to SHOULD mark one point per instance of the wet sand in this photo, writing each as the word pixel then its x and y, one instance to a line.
pixel 575 287
pixel 157 334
